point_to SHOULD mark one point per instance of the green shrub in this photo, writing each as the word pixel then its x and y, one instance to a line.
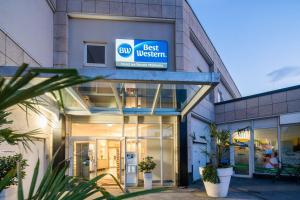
pixel 210 174
pixel 147 165
pixel 221 141
pixel 7 163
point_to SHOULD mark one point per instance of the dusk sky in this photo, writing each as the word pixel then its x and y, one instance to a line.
pixel 258 41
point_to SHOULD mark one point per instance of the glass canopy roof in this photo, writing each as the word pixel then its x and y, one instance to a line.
pixel 140 92
pixel 134 92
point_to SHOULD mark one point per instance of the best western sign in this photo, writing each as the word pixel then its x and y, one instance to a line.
pixel 141 53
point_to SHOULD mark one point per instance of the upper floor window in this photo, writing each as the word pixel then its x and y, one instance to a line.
pixel 94 54
pixel 219 96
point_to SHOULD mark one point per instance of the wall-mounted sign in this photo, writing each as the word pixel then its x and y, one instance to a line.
pixel 141 53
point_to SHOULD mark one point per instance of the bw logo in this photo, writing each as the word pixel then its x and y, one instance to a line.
pixel 125 50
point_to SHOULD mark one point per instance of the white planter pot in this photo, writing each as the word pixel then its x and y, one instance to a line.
pixel 148 181
pixel 220 189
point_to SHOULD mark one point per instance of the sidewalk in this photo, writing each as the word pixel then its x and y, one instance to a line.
pixel 241 188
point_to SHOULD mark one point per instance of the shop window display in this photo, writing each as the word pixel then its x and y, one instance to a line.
pixel 290 145
pixel 266 150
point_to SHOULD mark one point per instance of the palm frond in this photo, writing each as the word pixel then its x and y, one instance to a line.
pixel 7 179
pixel 21 90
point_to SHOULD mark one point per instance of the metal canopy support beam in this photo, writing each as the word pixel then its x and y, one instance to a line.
pixel 137 76
pixel 78 99
pixel 162 77
pixel 201 93
pixel 156 98
pixel 117 97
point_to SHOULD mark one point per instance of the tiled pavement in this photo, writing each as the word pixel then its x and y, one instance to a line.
pixel 240 189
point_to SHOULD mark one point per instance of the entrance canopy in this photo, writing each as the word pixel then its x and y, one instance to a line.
pixel 136 92
pixel 133 92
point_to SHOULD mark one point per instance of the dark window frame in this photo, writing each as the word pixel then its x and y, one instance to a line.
pixel 86 63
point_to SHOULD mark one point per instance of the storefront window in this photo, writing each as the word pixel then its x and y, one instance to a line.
pixel 290 145
pixel 241 140
pixel 94 129
pixel 130 130
pixel 168 160
pixel 168 130
pixel 150 147
pixel 144 136
pixel 266 150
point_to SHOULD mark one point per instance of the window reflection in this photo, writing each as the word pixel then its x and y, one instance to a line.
pixel 290 145
pixel 266 149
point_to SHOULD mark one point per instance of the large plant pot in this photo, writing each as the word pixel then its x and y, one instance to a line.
pixel 219 189
pixel 148 181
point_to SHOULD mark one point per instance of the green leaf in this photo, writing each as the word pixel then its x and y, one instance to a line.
pixel 20 184
pixel 34 178
pixel 7 179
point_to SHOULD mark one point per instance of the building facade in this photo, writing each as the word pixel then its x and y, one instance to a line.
pixel 111 124
pixel 262 126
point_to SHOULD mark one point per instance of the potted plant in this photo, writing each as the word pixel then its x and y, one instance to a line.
pixel 7 164
pixel 146 166
pixel 217 174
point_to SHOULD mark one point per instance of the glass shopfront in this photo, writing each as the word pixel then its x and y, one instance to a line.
pixel 115 145
pixel 262 150
pixel 290 145
pixel 241 143
pixel 266 149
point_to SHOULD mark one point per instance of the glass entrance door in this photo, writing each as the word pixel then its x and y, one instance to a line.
pixel 241 153
pixel 109 160
pixel 96 157
pixel 84 159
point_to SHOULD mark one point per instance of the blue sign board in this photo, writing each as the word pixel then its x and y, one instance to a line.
pixel 142 53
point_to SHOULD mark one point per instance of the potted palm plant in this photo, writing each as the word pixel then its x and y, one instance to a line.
pixel 146 166
pixel 217 174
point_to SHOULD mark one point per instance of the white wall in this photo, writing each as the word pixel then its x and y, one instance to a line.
pixel 30 24
pixel 40 149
